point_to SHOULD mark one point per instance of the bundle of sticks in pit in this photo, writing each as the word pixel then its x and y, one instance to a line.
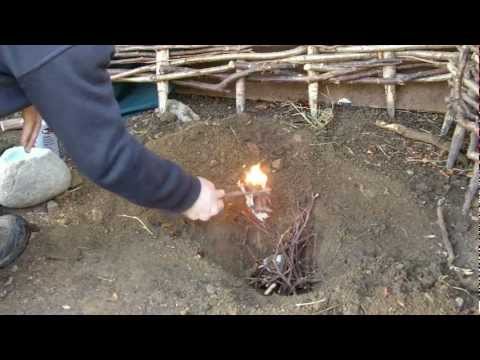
pixel 287 271
pixel 463 110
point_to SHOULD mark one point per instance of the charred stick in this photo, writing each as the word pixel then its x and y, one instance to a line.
pixel 239 193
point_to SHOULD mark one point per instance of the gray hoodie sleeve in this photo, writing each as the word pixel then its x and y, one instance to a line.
pixel 74 94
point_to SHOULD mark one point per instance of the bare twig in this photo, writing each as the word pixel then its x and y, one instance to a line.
pixel 287 267
pixel 311 303
pixel 417 136
pixel 140 221
pixel 443 229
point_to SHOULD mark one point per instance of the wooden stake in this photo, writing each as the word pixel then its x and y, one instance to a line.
pixel 472 190
pixel 472 152
pixel 443 229
pixel 240 94
pixel 447 123
pixel 312 87
pixel 162 86
pixel 389 72
pixel 455 146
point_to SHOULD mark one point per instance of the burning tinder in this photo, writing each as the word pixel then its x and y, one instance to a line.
pixel 254 188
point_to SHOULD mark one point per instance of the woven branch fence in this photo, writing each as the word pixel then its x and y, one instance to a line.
pixel 226 68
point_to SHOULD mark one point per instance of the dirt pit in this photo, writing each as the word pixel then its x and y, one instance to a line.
pixel 376 246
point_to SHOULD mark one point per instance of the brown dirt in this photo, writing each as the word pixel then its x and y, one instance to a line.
pixel 377 248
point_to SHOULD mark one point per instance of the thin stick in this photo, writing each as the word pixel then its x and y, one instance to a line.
pixel 311 303
pixel 239 193
pixel 414 135
pixel 200 85
pixel 11 124
pixel 455 146
pixel 444 232
pixel 140 221
pixel 375 48
pixel 270 289
pixel 447 123
pixel 241 56
pixel 327 309
pixel 472 190
pixel 180 75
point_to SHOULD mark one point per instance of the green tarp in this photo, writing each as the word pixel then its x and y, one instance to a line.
pixel 135 98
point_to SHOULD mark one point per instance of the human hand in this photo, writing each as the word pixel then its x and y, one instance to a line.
pixel 32 123
pixel 208 204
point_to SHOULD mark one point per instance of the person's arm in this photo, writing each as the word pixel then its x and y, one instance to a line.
pixel 74 94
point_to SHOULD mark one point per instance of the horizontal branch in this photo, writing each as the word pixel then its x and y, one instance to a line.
pixel 200 85
pixel 240 56
pixel 307 59
pixel 179 75
pixel 377 48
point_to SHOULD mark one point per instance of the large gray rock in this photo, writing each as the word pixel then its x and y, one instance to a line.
pixel 29 179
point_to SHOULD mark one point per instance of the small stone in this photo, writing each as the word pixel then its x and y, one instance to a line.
pixel 410 172
pixel 66 307
pixel 351 310
pixel 213 163
pixel 210 289
pixel 52 207
pixel 253 148
pixel 63 221
pixel 96 216
pixel 232 312
pixel 297 138
pixel 261 106
pixel 459 302
pixel 14 269
pixel 183 112
pixel 185 311
pixel 114 296
pixel 8 282
pixel 277 164
pixel 422 187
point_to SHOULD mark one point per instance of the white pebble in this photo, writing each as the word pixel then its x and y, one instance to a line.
pixel 459 301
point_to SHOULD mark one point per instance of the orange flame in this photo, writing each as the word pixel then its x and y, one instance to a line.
pixel 256 177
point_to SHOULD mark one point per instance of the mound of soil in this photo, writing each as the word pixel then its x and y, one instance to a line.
pixel 376 249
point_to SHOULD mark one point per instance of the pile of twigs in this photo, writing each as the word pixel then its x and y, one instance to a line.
pixel 463 110
pixel 287 270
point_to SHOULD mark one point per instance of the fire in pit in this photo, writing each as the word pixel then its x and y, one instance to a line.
pixel 257 194
pixel 286 270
